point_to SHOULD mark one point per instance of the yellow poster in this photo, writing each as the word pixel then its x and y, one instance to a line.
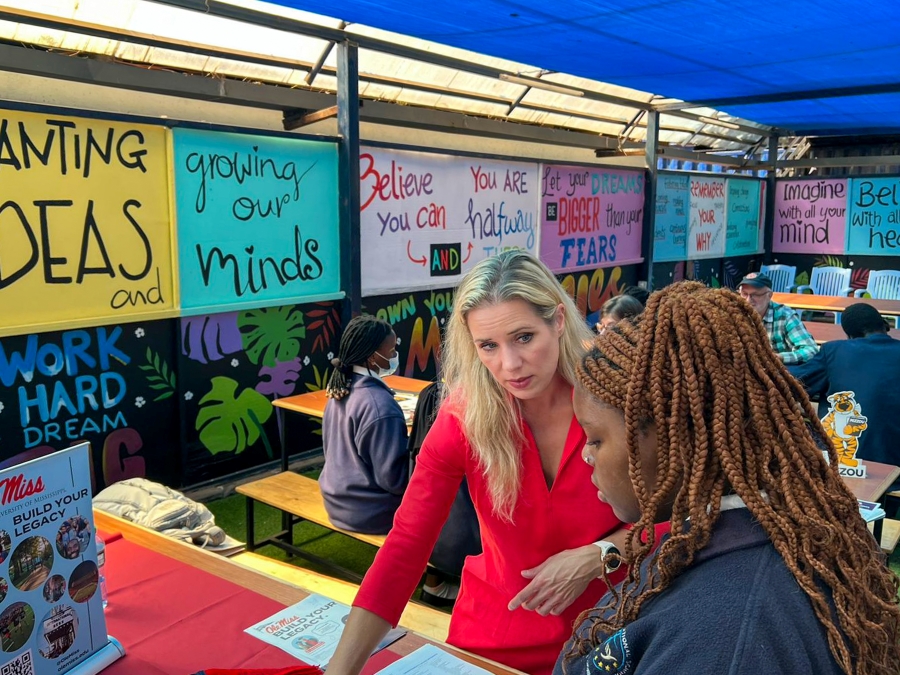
pixel 85 226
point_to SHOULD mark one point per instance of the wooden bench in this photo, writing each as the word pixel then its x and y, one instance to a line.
pixel 427 621
pixel 299 499
pixel 890 534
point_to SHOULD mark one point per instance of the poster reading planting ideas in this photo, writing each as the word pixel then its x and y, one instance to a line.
pixel 85 227
pixel 257 220
pixel 51 611
pixel 591 217
pixel 426 219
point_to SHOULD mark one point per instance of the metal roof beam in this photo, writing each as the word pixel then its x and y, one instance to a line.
pixel 724 160
pixel 726 124
pixel 439 120
pixel 783 97
pixel 134 37
pixel 225 10
pixel 41 63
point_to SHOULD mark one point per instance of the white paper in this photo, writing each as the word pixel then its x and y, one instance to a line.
pixel 311 629
pixel 431 660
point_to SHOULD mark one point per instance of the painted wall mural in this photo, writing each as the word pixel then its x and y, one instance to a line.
pixel 234 365
pixel 114 386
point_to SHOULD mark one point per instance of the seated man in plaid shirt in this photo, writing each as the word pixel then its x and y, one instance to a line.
pixel 789 337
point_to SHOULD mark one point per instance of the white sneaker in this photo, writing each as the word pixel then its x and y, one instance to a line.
pixel 443 591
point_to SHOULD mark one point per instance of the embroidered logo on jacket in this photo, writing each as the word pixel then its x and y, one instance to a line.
pixel 612 656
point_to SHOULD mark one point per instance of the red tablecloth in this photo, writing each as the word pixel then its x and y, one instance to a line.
pixel 174 619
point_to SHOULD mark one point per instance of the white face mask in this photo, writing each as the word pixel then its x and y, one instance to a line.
pixel 393 364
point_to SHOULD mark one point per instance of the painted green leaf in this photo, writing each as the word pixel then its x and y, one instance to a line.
pixel 161 376
pixel 228 422
pixel 271 334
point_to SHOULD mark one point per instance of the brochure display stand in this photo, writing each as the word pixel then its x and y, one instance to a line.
pixel 51 610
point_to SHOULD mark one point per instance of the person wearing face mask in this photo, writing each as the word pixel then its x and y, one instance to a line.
pixel 363 431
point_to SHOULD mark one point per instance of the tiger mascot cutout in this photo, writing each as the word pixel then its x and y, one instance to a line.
pixel 844 423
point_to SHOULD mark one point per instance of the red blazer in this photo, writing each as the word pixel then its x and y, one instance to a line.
pixel 545 522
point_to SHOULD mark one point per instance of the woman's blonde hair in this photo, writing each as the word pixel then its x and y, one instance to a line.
pixel 489 415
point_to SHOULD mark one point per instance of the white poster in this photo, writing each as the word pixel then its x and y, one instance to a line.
pixel 51 611
pixel 426 219
pixel 706 233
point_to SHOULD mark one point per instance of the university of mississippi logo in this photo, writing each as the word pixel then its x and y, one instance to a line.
pixel 844 424
pixel 612 656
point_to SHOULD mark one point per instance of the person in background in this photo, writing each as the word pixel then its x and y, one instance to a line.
pixel 638 293
pixel 507 426
pixel 787 334
pixel 691 418
pixel 617 308
pixel 862 372
pixel 363 431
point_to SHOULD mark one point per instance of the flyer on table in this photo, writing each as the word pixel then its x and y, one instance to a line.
pixel 311 629
pixel 51 612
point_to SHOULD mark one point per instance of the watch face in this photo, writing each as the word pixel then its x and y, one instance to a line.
pixel 612 564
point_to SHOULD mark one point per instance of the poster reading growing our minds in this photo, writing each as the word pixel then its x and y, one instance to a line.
pixel 257 220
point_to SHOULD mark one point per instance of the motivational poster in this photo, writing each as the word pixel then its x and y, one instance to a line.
pixel 810 216
pixel 114 386
pixel 51 610
pixel 673 200
pixel 426 219
pixel 257 220
pixel 85 226
pixel 874 218
pixel 743 225
pixel 706 224
pixel 591 217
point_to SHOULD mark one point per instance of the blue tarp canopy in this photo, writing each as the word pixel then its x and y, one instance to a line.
pixel 820 67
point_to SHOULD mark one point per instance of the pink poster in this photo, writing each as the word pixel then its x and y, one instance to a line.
pixel 591 217
pixel 810 216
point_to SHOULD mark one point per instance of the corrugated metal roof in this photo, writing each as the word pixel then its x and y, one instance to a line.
pixel 383 76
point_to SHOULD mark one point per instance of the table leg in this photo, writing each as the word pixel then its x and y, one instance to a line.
pixel 282 438
pixel 251 534
pixel 877 528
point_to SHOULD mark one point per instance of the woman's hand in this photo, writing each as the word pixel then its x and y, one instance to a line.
pixel 557 581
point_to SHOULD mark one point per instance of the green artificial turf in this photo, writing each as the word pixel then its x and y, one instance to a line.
pixel 345 551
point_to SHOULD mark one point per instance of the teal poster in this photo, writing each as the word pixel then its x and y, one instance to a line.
pixel 257 220
pixel 672 212
pixel 873 221
pixel 742 221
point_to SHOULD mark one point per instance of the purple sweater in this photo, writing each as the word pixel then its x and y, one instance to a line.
pixel 366 460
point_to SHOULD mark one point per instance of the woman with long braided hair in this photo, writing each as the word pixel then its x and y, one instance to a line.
pixel 691 418
pixel 363 431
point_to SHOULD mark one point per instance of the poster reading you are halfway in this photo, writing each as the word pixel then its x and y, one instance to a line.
pixel 51 612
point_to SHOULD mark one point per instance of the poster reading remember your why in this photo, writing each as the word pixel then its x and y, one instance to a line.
pixel 592 217
pixel 85 228
pixel 706 227
pixel 426 219
pixel 257 220
pixel 51 612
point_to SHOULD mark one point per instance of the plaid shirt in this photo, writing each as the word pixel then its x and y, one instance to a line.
pixel 789 337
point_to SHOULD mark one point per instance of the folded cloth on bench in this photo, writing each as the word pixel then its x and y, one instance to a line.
pixel 162 509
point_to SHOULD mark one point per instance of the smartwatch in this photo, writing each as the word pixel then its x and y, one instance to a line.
pixel 607 547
